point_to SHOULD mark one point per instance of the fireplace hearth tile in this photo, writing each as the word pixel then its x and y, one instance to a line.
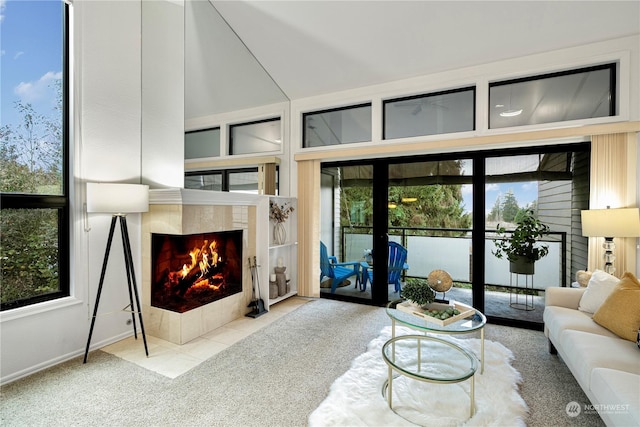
pixel 172 360
pixel 190 325
pixel 203 348
pixel 170 364
pixel 226 335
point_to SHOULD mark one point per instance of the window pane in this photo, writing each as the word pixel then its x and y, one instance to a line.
pixel 31 130
pixel 259 137
pixel 34 143
pixel 202 143
pixel 212 182
pixel 243 182
pixel 29 253
pixel 559 97
pixel 430 114
pixel 335 127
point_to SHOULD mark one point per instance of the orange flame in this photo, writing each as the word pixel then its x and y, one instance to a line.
pixel 205 258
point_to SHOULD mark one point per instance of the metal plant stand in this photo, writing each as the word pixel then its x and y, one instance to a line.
pixel 517 300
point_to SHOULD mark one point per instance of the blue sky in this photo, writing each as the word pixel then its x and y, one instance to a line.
pixel 525 192
pixel 31 55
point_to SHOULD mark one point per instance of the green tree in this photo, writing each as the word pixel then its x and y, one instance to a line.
pixel 418 206
pixel 494 215
pixel 510 207
pixel 30 163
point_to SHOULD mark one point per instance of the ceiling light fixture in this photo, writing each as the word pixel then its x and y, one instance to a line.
pixel 511 113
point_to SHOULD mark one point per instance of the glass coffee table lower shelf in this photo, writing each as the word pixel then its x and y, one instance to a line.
pixel 428 359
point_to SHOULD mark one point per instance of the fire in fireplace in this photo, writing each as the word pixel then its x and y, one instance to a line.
pixel 189 271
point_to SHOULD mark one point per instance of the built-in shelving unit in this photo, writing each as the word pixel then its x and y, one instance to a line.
pixel 285 253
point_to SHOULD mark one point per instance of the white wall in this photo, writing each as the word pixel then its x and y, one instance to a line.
pixel 107 145
pixel 163 96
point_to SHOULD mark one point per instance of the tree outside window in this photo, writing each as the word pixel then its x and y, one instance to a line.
pixel 33 145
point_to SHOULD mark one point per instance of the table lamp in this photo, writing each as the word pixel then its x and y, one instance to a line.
pixel 610 223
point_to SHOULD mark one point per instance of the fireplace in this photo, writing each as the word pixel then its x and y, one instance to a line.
pixel 181 213
pixel 190 271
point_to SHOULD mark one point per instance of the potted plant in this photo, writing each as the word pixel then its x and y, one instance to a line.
pixel 520 246
pixel 419 292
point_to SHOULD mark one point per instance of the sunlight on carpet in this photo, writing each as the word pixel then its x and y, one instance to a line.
pixel 355 399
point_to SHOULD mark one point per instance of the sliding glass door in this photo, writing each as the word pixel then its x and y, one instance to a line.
pixel 347 224
pixel 423 206
pixel 551 185
pixel 444 211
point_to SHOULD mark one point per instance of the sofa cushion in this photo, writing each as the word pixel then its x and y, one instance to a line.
pixel 600 285
pixel 583 277
pixel 584 352
pixel 620 312
pixel 557 319
pixel 564 297
pixel 618 394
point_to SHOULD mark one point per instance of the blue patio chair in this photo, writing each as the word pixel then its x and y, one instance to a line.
pixel 337 271
pixel 397 263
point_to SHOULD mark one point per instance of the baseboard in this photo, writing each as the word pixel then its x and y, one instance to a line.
pixel 61 359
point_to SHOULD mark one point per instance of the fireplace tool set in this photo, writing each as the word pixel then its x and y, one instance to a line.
pixel 256 303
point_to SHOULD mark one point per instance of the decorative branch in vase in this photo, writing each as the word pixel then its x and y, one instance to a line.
pixel 279 214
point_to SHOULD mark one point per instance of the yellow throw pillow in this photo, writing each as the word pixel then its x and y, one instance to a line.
pixel 620 312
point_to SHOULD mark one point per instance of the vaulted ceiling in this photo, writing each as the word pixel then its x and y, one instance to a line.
pixel 316 47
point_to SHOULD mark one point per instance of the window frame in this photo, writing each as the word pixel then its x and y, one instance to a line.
pixel 230 141
pixel 332 110
pixel 225 173
pixel 472 89
pixel 191 132
pixel 613 68
pixel 60 203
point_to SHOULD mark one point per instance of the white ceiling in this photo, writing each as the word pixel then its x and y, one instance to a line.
pixel 315 47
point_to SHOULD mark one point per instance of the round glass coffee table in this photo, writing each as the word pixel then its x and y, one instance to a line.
pixel 467 325
pixel 428 359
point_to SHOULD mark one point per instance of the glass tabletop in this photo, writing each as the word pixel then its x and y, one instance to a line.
pixel 429 359
pixel 462 326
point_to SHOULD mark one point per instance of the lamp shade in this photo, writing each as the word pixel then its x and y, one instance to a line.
pixel 117 198
pixel 624 222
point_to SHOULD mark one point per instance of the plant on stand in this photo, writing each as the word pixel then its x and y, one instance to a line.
pixel 279 214
pixel 521 247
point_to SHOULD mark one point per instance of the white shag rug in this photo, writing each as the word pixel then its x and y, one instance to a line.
pixel 355 399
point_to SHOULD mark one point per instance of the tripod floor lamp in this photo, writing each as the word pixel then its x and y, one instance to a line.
pixel 610 223
pixel 118 200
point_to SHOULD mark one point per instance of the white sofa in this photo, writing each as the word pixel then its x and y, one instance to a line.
pixel 606 366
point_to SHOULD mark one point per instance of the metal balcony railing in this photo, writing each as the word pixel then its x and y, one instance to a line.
pixel 449 249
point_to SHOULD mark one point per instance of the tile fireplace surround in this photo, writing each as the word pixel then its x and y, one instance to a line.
pixel 182 211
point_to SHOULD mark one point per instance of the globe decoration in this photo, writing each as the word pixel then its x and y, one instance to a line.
pixel 440 281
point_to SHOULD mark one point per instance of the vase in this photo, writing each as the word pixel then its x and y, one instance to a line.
pixel 279 234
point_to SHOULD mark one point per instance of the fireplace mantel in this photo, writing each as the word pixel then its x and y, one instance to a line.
pixel 182 196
